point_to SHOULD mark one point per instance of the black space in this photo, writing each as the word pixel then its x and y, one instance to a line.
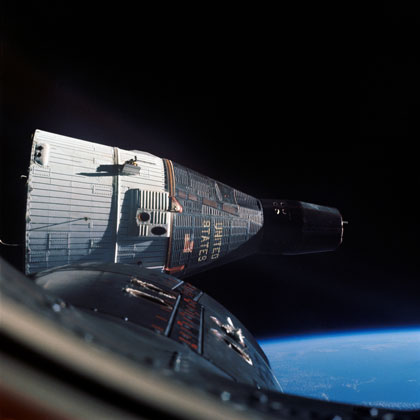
pixel 286 104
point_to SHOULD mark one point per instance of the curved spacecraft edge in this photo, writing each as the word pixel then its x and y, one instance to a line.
pixel 67 361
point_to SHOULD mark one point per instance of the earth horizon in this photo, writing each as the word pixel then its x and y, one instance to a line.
pixel 375 368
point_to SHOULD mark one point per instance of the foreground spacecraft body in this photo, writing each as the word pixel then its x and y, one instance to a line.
pixel 90 202
pixel 74 361
pixel 178 327
pixel 111 232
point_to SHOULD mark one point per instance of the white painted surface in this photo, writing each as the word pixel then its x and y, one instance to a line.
pixel 80 209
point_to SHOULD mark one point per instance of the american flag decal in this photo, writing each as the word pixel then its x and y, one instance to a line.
pixel 188 243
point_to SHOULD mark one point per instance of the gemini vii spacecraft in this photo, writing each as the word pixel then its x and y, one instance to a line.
pixel 108 328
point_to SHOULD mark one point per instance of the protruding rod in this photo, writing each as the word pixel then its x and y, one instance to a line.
pixel 6 244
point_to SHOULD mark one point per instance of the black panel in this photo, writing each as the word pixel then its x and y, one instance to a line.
pixel 161 304
pixel 187 325
pixel 215 220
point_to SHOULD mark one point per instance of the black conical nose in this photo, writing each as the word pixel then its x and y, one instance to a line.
pixel 296 227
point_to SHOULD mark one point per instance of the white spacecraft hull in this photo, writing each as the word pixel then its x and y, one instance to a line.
pixel 77 209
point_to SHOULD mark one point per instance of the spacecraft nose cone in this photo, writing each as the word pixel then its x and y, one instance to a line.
pixel 296 227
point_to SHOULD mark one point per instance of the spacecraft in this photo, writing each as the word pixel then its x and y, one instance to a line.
pixel 106 326
pixel 89 202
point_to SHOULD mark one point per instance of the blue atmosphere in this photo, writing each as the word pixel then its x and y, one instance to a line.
pixel 371 368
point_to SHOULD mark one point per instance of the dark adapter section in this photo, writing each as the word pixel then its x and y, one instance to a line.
pixel 295 227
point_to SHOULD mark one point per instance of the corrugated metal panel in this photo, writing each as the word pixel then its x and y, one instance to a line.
pixel 216 220
pixel 154 205
pixel 146 192
pixel 154 200
pixel 78 206
pixel 62 203
pixel 82 206
pixel 246 201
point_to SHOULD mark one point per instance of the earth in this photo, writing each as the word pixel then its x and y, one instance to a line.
pixel 375 368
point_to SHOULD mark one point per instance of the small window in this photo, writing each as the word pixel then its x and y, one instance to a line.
pixel 144 217
pixel 158 230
